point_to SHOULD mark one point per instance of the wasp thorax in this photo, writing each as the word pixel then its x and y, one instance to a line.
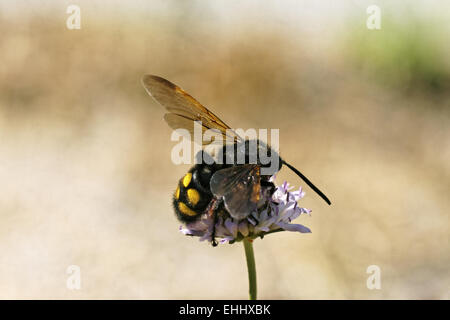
pixel 252 152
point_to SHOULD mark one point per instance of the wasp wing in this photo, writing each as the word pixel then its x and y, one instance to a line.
pixel 183 109
pixel 176 121
pixel 240 188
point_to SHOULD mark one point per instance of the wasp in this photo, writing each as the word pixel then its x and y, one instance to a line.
pixel 217 188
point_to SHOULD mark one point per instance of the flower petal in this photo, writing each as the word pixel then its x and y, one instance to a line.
pixel 232 227
pixel 294 227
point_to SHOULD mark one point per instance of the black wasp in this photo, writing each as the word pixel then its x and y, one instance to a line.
pixel 227 188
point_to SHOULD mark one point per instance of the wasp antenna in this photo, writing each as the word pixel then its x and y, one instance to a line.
pixel 309 183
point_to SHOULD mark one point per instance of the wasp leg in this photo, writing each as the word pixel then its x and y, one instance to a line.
pixel 212 210
pixel 213 236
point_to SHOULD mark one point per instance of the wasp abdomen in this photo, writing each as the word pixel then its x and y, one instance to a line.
pixel 193 194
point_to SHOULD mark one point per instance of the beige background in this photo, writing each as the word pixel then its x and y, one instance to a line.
pixel 85 171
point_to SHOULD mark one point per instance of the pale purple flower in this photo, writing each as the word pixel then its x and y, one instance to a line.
pixel 276 214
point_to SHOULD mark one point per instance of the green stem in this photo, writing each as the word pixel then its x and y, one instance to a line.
pixel 251 267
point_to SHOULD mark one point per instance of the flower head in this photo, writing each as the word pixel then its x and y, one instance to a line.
pixel 276 214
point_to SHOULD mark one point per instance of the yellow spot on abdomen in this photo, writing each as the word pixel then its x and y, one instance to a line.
pixel 193 196
pixel 177 193
pixel 187 179
pixel 185 210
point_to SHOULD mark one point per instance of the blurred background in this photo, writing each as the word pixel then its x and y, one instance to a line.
pixel 85 171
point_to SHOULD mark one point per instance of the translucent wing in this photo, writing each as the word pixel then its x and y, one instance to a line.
pixel 240 188
pixel 183 109
pixel 176 121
